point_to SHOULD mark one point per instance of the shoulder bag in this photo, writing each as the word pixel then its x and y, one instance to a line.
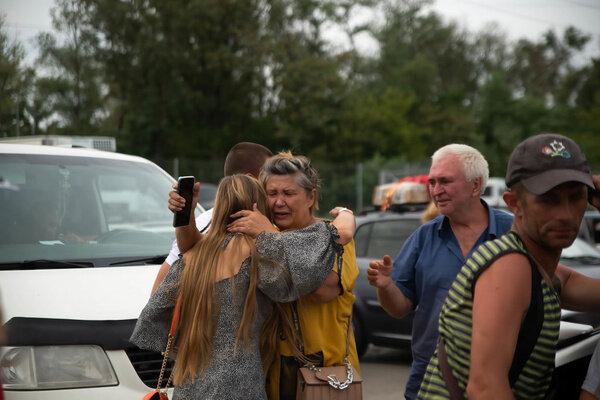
pixel 341 382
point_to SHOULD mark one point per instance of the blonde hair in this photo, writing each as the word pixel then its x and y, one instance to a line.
pixel 197 321
pixel 430 212
pixel 198 314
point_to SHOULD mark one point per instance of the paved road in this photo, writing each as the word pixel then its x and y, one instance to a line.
pixel 385 372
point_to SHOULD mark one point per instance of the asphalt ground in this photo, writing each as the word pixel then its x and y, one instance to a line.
pixel 385 372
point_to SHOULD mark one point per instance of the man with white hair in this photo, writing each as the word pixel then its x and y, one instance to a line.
pixel 430 259
pixel 498 328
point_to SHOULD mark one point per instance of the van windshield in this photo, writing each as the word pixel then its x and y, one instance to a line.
pixel 81 210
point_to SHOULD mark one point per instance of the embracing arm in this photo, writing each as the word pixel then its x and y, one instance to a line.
pixel 153 324
pixel 304 259
pixel 185 237
pixel 393 301
pixel 499 306
pixel 578 292
pixel 345 223
pixel 162 272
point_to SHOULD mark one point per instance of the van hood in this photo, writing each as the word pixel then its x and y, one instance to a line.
pixel 93 294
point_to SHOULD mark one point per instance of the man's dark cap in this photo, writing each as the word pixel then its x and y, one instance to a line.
pixel 546 160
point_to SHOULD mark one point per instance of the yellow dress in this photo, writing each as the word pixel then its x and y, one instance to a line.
pixel 324 327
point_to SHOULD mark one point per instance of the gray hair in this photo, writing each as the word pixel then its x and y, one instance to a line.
pixel 474 165
pixel 299 167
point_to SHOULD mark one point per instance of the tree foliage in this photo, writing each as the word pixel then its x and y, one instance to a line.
pixel 72 82
pixel 188 78
pixel 13 78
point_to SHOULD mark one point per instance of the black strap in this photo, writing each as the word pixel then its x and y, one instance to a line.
pixel 530 328
pixel 340 262
pixel 528 334
pixel 294 311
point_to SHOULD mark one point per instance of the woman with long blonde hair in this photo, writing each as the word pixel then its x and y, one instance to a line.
pixel 227 285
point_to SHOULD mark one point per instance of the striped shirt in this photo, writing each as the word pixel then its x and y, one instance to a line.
pixel 456 323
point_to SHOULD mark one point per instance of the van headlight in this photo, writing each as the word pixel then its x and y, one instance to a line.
pixel 55 367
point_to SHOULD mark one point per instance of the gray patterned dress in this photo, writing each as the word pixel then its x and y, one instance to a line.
pixel 308 254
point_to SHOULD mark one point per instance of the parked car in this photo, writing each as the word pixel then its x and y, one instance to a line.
pixel 590 228
pixel 385 232
pixel 207 194
pixel 408 192
pixel 378 234
pixel 82 237
pixel 493 192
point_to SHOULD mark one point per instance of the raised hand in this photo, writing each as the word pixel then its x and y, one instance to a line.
pixel 379 272
pixel 177 202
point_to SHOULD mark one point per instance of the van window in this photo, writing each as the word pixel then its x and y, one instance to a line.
pixel 64 208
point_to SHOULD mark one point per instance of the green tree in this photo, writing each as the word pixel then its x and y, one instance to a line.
pixel 73 85
pixel 184 77
pixel 12 81
pixel 436 64
pixel 542 68
pixel 585 114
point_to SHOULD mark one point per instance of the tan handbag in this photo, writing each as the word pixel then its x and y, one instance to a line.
pixel 341 382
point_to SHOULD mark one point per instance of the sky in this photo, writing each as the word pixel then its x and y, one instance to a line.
pixel 517 18
pixel 527 18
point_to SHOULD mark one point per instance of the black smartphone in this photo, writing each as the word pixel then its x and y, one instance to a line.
pixel 185 188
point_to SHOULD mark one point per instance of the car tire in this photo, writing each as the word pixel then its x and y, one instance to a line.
pixel 359 336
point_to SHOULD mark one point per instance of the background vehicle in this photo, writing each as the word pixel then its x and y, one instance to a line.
pixel 83 234
pixel 378 234
pixel 493 192
pixel 206 195
pixel 590 228
pixel 408 191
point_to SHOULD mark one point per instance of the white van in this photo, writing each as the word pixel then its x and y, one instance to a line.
pixel 493 192
pixel 82 237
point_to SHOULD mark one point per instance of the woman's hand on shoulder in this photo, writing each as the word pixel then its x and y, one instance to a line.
pixel 250 222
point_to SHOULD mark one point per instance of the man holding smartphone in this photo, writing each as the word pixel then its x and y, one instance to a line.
pixel 243 158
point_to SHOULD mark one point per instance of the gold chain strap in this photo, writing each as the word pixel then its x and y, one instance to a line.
pixel 164 366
